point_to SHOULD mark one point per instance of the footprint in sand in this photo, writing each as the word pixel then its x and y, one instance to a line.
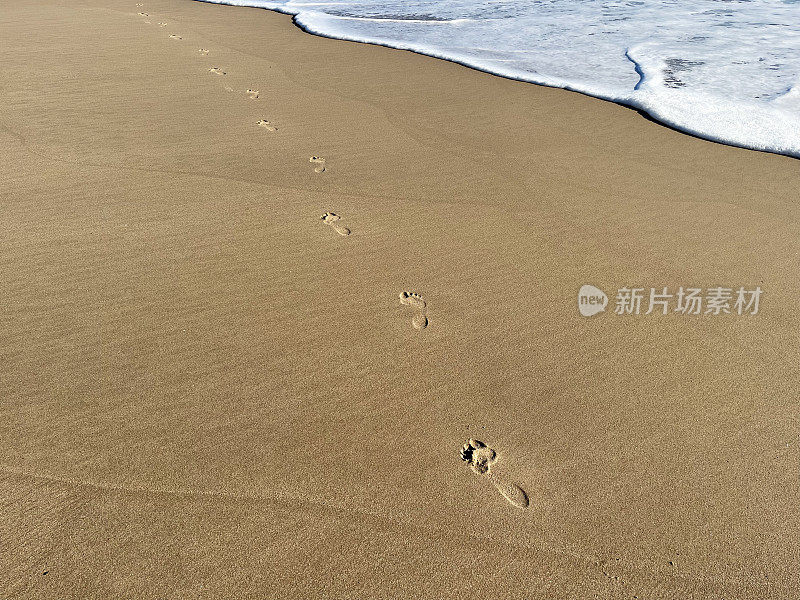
pixel 332 219
pixel 162 24
pixel 320 162
pixel 481 458
pixel 268 126
pixel 172 36
pixel 143 14
pixel 252 94
pixel 139 4
pixel 414 300
pixel 217 71
pixel 203 51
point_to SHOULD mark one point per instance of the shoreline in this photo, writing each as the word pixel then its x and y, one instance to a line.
pixel 213 391
pixel 632 104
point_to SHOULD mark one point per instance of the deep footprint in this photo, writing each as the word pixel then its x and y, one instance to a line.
pixel 320 162
pixel 414 300
pixel 481 458
pixel 203 51
pixel 333 219
pixel 217 71
pixel 268 126
pixel 252 94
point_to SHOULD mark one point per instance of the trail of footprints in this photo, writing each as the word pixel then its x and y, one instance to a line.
pixel 250 93
pixel 477 454
pixel 419 320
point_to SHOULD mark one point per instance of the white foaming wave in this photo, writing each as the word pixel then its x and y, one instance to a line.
pixel 388 20
pixel 724 71
pixel 728 121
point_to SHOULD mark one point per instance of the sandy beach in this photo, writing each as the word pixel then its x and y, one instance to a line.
pixel 207 390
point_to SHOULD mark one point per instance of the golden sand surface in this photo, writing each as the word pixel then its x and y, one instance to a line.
pixel 260 288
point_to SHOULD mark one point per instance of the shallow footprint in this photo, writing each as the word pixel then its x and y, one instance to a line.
pixel 481 458
pixel 143 14
pixel 414 300
pixel 162 24
pixel 268 126
pixel 320 162
pixel 203 51
pixel 217 71
pixel 332 219
pixel 172 36
pixel 252 94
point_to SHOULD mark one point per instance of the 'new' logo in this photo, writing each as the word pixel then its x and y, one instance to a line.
pixel 591 300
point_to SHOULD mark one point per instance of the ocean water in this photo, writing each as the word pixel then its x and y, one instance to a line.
pixel 724 70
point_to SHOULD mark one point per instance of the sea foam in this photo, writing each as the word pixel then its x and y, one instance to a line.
pixel 724 70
